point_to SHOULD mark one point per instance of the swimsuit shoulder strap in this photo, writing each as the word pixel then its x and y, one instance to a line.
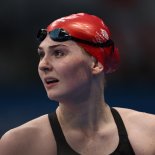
pixel 124 147
pixel 62 146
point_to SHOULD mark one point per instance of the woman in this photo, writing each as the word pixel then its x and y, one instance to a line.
pixel 75 53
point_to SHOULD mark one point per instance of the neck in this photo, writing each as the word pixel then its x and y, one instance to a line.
pixel 88 115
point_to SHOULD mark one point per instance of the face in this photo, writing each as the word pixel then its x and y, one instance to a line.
pixel 64 69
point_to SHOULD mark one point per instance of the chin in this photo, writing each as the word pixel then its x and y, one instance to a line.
pixel 54 97
pixel 58 97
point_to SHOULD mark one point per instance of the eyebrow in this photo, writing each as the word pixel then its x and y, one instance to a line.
pixel 51 47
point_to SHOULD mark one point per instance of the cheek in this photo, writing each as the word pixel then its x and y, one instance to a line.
pixel 76 72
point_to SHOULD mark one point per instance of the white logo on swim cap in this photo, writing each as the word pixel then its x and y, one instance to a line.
pixel 101 36
pixel 104 34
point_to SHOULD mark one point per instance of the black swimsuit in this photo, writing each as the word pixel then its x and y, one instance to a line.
pixel 124 147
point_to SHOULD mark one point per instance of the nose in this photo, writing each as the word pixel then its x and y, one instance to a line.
pixel 45 65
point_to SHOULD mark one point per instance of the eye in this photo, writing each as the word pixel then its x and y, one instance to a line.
pixel 41 54
pixel 58 53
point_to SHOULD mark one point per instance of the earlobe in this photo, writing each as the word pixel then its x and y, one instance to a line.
pixel 97 67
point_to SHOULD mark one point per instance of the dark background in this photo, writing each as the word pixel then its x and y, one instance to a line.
pixel 132 23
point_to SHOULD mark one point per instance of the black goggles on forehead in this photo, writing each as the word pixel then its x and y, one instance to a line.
pixel 60 35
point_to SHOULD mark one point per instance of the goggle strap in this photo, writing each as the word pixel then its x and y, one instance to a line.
pixel 105 44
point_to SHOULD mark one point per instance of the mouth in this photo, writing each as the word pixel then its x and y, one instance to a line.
pixel 49 82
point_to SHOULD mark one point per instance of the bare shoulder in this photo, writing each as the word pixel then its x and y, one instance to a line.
pixel 139 125
pixel 133 116
pixel 33 137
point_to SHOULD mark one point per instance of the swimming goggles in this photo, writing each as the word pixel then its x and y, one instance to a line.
pixel 61 35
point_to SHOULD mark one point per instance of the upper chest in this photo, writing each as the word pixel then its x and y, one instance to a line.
pixel 101 143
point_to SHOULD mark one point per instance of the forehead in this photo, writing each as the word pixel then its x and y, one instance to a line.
pixel 49 43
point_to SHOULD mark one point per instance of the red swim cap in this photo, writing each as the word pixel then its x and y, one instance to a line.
pixel 91 28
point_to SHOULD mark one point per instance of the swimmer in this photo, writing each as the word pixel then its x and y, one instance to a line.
pixel 76 52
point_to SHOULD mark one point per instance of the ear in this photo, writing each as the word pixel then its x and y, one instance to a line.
pixel 97 67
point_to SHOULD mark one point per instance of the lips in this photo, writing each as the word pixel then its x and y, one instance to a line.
pixel 50 81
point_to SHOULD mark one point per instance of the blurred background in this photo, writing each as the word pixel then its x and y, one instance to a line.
pixel 132 24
